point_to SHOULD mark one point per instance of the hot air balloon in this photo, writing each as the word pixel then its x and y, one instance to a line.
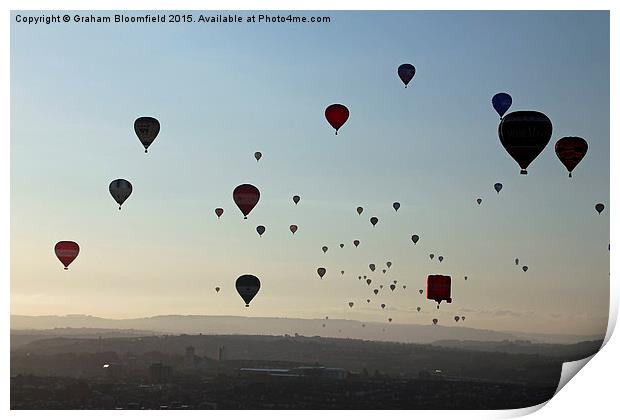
pixel 524 268
pixel 360 210
pixel 350 304
pixel 501 102
pixel 293 228
pixel 404 286
pixel 465 277
pixel 383 306
pixel 524 135
pixel 247 286
pixel 359 277
pixel 406 73
pixel 147 129
pixel 570 151
pixel 121 190
pixel 435 321
pixel 321 271
pixel 246 197
pixel 431 256
pixel 384 271
pixel 479 201
pixel 372 267
pixel 336 115
pixel 323 325
pixel 440 258
pixel 396 206
pixel 438 288
pixel 258 155
pixel 367 300
pixel 219 211
pixel 341 245
pixel 364 277
pixel 363 325
pixel 356 243
pixel 376 291
pixel 395 281
pixel 368 282
pixel 217 290
pixel 415 239
pixel 66 252
pixel 380 286
pixel 388 264
pixel 392 286
pixel 389 319
pixel 418 309
pixel 462 318
pixel 420 291
pixel 457 318
pixel 260 230
pixel 327 317
pixel 498 187
pixel 324 249
pixel 296 199
pixel 374 221
pixel 516 261
pixel 599 208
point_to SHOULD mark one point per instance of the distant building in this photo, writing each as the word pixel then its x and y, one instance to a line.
pixel 318 372
pixel 160 373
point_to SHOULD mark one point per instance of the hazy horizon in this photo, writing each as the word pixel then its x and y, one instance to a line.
pixel 223 92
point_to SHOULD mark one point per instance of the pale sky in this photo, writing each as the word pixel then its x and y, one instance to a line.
pixel 222 92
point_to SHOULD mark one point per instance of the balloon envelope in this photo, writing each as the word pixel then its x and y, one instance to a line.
pixel 479 201
pixel 350 304
pixel 337 115
pixel 219 211
pixel 147 129
pixel 372 267
pixel 260 230
pixel 356 243
pixel 247 286
pixel 121 190
pixel 258 155
pixel 374 220
pixel 293 229
pixel 321 271
pixel 435 321
pixel 570 151
pixel 396 206
pixel 524 268
pixel 324 248
pixel 406 73
pixel 501 103
pixel 296 199
pixel 599 208
pixel 415 238
pixel 246 197
pixel 498 187
pixel 360 210
pixel 66 252
pixel 388 264
pixel 217 290
pixel 438 288
pixel 524 135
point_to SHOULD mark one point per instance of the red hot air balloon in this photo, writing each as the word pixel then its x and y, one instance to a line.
pixel 218 212
pixel 336 115
pixel 246 197
pixel 524 135
pixel 570 151
pixel 293 229
pixel 66 252
pixel 438 288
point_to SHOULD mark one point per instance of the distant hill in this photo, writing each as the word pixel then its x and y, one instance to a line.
pixel 21 337
pixel 206 324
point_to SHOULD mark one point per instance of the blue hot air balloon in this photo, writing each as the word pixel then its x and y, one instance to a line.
pixel 501 103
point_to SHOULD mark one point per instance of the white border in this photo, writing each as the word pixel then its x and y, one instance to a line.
pixel 593 394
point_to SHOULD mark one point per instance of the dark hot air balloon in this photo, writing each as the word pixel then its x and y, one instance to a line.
pixel 388 264
pixel 384 271
pixel 457 318
pixel 420 291
pixel 341 245
pixel 121 190
pixel 374 221
pixel 246 197
pixel 372 267
pixel 570 151
pixel 321 271
pixel 440 258
pixel 406 73
pixel 389 319
pixel 247 286
pixel 217 290
pixel 498 187
pixel 260 230
pixel 293 229
pixel 392 286
pixel 415 239
pixel 599 208
pixel 258 155
pixel 360 210
pixel 524 268
pixel 356 243
pixel 431 256
pixel 501 102
pixel 396 206
pixel 516 261
pixel 418 309
pixel 324 248
pixel 350 304
pixel 383 306
pixel 368 282
pixel 147 129
pixel 435 321
pixel 219 211
pixel 524 135
pixel 479 201
pixel 296 199
pixel 438 288
pixel 337 115
pixel 66 252
pixel 376 291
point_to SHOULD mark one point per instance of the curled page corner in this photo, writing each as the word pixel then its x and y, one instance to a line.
pixel 570 369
